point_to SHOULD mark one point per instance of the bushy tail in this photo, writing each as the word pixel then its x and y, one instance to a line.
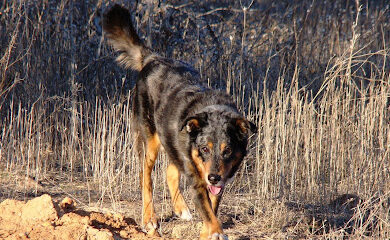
pixel 123 37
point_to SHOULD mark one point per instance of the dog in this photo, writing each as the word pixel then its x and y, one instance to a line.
pixel 203 134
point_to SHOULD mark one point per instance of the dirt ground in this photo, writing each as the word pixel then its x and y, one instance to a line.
pixel 56 208
pixel 59 209
pixel 44 218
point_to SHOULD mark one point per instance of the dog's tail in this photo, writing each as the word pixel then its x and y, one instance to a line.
pixel 123 37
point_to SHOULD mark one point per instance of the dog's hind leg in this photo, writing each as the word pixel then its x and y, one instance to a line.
pixel 179 205
pixel 149 220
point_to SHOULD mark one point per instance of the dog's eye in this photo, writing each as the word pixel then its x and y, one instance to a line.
pixel 227 151
pixel 205 150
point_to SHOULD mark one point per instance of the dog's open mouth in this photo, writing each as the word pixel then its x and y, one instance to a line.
pixel 215 190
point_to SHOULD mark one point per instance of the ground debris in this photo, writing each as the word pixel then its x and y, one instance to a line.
pixel 43 218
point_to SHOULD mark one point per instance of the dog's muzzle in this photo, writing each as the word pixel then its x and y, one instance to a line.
pixel 216 185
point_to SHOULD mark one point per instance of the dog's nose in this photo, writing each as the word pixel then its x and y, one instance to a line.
pixel 214 178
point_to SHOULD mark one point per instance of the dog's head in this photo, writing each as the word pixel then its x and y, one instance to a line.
pixel 218 140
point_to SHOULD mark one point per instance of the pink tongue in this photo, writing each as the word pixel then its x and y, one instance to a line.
pixel 214 189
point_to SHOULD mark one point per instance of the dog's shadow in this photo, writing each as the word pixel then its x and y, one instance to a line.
pixel 228 220
pixel 347 212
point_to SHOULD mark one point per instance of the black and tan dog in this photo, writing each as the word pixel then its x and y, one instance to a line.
pixel 200 129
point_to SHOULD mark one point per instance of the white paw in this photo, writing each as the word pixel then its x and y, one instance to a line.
pixel 151 228
pixel 151 225
pixel 186 215
pixel 218 236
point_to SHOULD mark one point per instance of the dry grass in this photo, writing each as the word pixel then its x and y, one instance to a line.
pixel 314 76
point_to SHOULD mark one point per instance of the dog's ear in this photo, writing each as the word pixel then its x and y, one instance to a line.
pixel 195 123
pixel 244 127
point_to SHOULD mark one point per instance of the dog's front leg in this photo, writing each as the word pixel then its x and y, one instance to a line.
pixel 215 200
pixel 211 227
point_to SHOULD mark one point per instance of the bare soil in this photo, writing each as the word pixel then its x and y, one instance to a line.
pixel 44 218
pixel 53 215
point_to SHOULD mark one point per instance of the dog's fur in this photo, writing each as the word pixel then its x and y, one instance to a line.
pixel 200 129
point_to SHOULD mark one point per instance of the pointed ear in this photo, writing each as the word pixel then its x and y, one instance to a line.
pixel 245 126
pixel 195 123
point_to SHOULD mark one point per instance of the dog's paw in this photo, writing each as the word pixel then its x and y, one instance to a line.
pixel 218 236
pixel 185 215
pixel 151 229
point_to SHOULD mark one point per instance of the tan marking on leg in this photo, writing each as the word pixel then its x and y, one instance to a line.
pixel 179 205
pixel 149 219
pixel 211 224
pixel 215 200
